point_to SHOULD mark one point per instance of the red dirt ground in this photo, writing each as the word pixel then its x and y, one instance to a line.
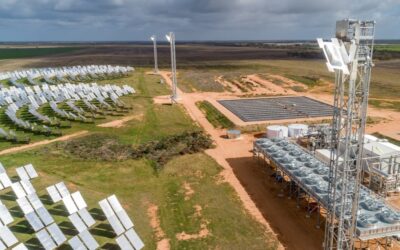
pixel 262 197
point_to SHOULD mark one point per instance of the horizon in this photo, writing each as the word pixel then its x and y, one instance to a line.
pixel 237 20
pixel 181 41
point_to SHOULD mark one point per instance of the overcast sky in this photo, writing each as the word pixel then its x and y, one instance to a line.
pixel 90 20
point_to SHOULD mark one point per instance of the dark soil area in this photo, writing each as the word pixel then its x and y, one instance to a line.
pixel 190 54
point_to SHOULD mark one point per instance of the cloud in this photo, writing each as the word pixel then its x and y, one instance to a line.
pixel 190 19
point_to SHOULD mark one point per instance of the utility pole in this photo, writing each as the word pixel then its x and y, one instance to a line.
pixel 154 39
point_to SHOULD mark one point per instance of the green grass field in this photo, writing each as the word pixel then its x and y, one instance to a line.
pixel 15 53
pixel 394 141
pixel 394 105
pixel 388 47
pixel 214 116
pixel 138 184
pixel 310 81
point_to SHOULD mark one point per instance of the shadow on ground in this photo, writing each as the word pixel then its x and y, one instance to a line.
pixel 288 221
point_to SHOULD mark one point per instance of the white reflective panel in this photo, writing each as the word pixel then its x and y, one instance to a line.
pixel 115 203
pixel 34 221
pixel 45 239
pixel 134 239
pixel 116 225
pixel 31 171
pixel 62 189
pixel 70 205
pixel 20 246
pixel 18 190
pixel 54 195
pixel 2 246
pixel 56 234
pixel 23 175
pixel 76 244
pixel 7 236
pixel 124 218
pixel 45 216
pixel 123 243
pixel 79 201
pixel 86 217
pixel 25 206
pixel 27 185
pixel 35 201
pixel 77 222
pixel 5 180
pixel 5 215
pixel 336 59
pixel 107 210
pixel 88 240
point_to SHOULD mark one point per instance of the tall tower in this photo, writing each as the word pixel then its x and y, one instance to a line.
pixel 349 55
pixel 154 39
pixel 171 39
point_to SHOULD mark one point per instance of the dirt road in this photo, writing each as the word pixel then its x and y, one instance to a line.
pixel 119 123
pixel 41 143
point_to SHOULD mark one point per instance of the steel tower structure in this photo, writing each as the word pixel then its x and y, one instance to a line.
pixel 350 57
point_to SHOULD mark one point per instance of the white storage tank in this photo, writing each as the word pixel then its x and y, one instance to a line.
pixel 297 130
pixel 277 131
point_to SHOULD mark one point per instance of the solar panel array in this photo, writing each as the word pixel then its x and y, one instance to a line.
pixel 45 228
pixel 64 101
pixel 277 108
pixel 121 224
pixel 63 73
pixel 78 215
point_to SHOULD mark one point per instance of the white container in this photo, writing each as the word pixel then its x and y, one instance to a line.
pixel 297 130
pixel 324 155
pixel 369 138
pixel 277 131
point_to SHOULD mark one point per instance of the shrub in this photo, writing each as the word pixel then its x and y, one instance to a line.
pixel 97 147
pixel 108 148
pixel 163 150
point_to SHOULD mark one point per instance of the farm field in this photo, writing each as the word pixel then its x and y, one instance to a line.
pixel 384 83
pixel 184 196
pixel 388 47
pixel 200 65
pixel 15 53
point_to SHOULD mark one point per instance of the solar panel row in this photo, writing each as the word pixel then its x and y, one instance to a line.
pixel 83 240
pixel 121 223
pixel 5 181
pixel 7 238
pixel 5 215
pixel 58 191
pixel 23 188
pixel 27 172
